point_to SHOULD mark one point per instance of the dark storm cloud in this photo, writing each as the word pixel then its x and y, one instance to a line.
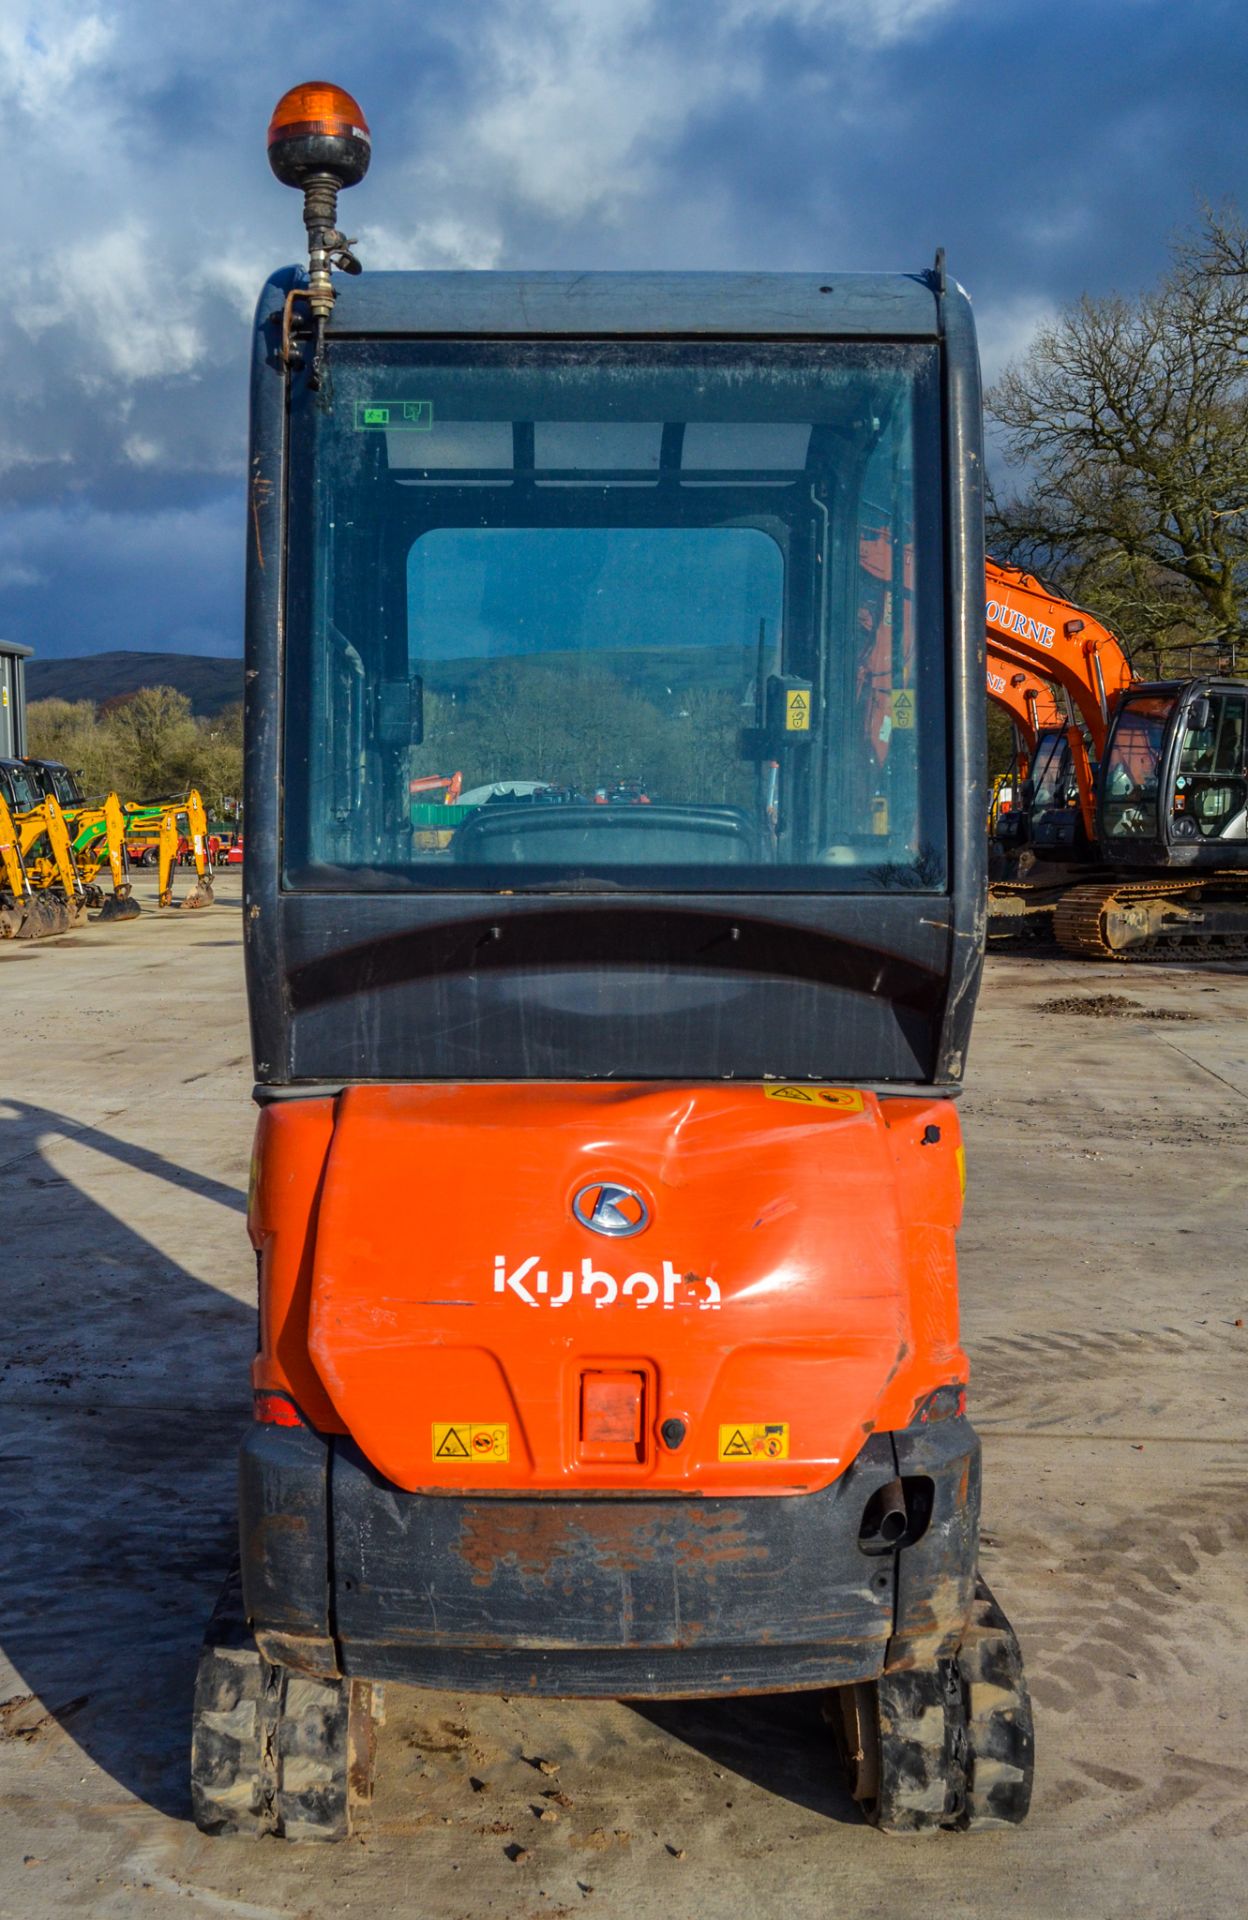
pixel 1050 148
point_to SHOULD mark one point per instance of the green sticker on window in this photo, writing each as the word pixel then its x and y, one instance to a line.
pixel 394 416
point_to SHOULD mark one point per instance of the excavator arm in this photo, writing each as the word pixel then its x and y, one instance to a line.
pixel 11 854
pixel 1030 701
pixel 1039 632
pixel 123 905
pixel 59 869
pixel 98 834
pixel 192 806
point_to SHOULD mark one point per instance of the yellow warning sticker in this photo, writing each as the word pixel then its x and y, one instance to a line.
pixel 488 1446
pixel 797 710
pixel 841 1099
pixel 755 1440
pixel 901 706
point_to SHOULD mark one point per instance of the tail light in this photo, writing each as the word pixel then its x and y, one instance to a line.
pixel 276 1410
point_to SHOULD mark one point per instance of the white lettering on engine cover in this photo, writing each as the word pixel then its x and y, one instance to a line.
pixel 532 1284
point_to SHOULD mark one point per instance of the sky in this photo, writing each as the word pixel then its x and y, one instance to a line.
pixel 1052 147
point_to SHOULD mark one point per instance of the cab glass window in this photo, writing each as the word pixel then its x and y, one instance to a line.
pixel 630 615
pixel 1133 768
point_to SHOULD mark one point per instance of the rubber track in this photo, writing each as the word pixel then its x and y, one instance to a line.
pixel 957 1742
pixel 274 1751
pixel 1078 922
pixel 1000 1731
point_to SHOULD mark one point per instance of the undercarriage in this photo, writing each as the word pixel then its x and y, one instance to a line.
pixel 866 1593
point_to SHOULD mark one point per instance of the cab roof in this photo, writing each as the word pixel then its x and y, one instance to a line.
pixel 723 305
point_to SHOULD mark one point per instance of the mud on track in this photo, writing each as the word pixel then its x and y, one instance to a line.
pixel 1104 1271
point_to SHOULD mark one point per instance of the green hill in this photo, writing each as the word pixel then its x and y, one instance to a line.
pixel 208 681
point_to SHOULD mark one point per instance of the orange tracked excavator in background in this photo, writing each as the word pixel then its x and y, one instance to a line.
pixel 1041 633
pixel 1136 819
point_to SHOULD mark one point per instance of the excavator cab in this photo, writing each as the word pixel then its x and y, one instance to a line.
pixel 607 1169
pixel 20 786
pixel 54 778
pixel 1174 786
pixel 1055 825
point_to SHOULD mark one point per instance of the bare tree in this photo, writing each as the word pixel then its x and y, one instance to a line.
pixel 1128 420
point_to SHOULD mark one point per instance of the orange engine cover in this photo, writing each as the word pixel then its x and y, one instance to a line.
pixel 777 1279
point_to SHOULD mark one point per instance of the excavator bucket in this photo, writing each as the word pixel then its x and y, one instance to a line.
pixel 46 915
pixel 200 895
pixel 118 906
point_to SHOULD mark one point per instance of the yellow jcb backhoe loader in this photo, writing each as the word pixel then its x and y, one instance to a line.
pixel 163 827
pixel 99 839
pixel 26 913
pixel 55 871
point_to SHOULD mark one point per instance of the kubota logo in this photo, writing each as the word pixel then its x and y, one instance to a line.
pixel 606 1208
pixel 532 1284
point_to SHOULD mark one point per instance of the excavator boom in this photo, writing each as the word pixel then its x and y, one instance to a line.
pixel 1030 701
pixel 1069 646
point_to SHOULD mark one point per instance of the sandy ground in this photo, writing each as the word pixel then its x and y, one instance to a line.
pixel 1105 1288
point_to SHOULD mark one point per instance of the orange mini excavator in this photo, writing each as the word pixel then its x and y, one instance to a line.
pixel 608 1168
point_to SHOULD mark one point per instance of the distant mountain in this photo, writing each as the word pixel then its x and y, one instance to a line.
pixel 209 682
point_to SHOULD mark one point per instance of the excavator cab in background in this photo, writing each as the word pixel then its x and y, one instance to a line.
pixel 607 1170
pixel 1049 809
pixel 1174 790
pixel 1172 827
pixel 55 778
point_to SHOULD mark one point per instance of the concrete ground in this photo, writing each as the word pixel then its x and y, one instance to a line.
pixel 1105 1291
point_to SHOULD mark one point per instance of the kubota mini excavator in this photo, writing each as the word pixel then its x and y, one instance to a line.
pixel 607 1171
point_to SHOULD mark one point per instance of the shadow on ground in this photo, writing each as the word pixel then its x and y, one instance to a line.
pixel 779 1741
pixel 122 1395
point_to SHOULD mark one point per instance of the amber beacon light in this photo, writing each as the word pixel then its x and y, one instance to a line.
pixel 319 142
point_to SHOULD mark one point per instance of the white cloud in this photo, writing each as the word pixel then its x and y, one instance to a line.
pixel 16 573
pixel 879 23
pixel 586 97
pixel 117 289
pixel 45 51
pixel 441 243
pixel 1006 328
